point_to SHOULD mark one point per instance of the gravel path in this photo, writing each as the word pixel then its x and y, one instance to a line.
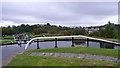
pixel 73 55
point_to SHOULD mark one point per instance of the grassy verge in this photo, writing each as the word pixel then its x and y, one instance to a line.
pixel 89 50
pixel 6 41
pixel 25 60
pixel 8 37
pixel 22 60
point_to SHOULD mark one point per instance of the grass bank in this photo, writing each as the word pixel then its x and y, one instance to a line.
pixel 22 60
pixel 25 60
pixel 6 40
pixel 88 50
pixel 8 37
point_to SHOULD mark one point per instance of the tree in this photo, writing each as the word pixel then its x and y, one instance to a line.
pixel 95 33
pixel 7 31
pixel 115 33
pixel 109 30
pixel 48 24
pixel 78 31
pixel 39 31
pixel 53 31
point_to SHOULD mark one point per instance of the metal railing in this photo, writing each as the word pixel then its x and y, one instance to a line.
pixel 68 37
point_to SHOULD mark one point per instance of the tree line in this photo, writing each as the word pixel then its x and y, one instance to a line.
pixel 40 29
pixel 110 30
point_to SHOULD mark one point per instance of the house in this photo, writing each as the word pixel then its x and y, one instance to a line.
pixel 92 29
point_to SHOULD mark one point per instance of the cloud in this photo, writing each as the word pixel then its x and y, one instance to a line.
pixel 60 0
pixel 60 13
pixel 6 23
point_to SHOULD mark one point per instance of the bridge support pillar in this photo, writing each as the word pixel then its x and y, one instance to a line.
pixel 56 43
pixel 72 41
pixel 38 44
pixel 87 42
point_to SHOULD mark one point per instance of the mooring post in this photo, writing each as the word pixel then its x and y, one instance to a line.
pixel 100 44
pixel 56 43
pixel 72 41
pixel 38 44
pixel 87 42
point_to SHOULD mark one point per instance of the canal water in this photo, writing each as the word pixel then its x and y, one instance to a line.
pixel 9 51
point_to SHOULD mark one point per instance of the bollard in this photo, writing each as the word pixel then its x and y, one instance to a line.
pixel 87 42
pixel 100 44
pixel 72 41
pixel 38 44
pixel 56 43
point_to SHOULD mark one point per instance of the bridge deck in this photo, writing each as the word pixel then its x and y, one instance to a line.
pixel 74 36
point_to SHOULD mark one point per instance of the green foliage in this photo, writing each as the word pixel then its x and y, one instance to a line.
pixel 78 31
pixel 7 31
pixel 42 29
pixel 108 31
pixel 38 31
pixel 96 33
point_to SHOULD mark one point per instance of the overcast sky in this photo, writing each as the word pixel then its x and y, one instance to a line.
pixel 59 13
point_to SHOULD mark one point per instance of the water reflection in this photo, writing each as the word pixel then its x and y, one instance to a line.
pixel 95 44
pixel 79 42
pixel 107 45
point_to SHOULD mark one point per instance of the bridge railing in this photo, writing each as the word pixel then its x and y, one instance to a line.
pixel 68 37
